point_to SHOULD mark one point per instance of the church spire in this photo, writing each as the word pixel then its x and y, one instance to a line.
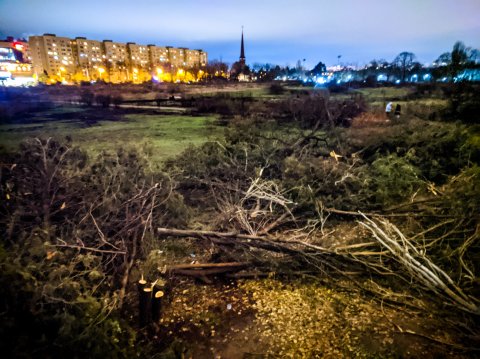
pixel 242 51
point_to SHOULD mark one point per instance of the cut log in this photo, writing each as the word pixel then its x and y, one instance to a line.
pixel 201 271
pixel 157 305
pixel 141 284
pixel 227 265
pixel 145 306
pixel 232 238
pixel 205 272
pixel 190 233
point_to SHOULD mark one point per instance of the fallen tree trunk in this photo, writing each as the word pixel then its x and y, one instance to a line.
pixel 304 255
pixel 192 233
pixel 203 270
pixel 233 239
pixel 208 265
pixel 301 254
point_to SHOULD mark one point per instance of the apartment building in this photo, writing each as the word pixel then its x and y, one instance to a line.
pixel 139 64
pixel 52 56
pixel 192 58
pixel 176 56
pixel 89 58
pixel 61 58
pixel 115 52
pixel 116 61
pixel 138 55
pixel 158 55
pixel 203 58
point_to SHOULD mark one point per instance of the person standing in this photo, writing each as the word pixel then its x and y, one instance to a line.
pixel 388 110
pixel 398 111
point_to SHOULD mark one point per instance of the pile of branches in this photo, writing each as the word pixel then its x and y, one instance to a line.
pixel 262 228
pixel 274 190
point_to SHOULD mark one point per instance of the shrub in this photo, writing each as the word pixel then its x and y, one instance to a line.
pixel 394 179
pixel 464 103
pixel 276 89
pixel 71 232
pixel 86 98
pixel 103 100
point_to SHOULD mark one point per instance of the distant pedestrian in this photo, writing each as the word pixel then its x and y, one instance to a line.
pixel 388 110
pixel 398 111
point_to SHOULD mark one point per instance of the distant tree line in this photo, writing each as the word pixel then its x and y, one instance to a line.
pixel 447 67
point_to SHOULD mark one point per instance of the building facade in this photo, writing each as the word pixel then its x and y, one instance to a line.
pixel 176 56
pixel 158 55
pixel 116 61
pixel 52 57
pixel 89 58
pixel 80 59
pixel 203 58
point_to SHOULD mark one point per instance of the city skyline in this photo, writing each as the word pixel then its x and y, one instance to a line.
pixel 280 32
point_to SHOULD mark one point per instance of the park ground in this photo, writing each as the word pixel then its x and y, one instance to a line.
pixel 273 314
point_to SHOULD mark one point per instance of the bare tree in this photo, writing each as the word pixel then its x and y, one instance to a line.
pixel 404 61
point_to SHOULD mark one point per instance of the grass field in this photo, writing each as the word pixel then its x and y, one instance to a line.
pixel 385 93
pixel 162 136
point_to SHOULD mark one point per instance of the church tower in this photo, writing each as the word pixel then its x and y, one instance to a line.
pixel 242 51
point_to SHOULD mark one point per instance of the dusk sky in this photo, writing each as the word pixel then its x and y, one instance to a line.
pixel 276 31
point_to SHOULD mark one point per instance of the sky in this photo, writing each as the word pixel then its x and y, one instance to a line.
pixel 276 31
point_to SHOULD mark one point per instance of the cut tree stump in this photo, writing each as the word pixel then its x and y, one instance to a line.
pixel 145 306
pixel 157 305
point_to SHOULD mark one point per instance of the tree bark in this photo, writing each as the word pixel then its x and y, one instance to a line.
pixel 157 305
pixel 145 306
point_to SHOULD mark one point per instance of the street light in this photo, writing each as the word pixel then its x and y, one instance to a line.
pixel 100 70
pixel 61 72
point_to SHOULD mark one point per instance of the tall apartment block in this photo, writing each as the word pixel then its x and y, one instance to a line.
pixel 52 55
pixel 64 59
pixel 158 55
pixel 116 61
pixel 89 57
pixel 176 56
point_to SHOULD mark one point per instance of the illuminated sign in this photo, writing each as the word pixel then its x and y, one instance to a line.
pixel 18 46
